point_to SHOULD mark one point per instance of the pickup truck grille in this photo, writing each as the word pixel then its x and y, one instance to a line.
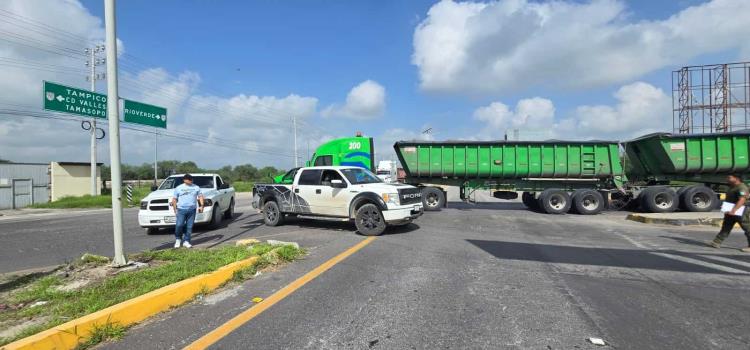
pixel 409 195
pixel 159 204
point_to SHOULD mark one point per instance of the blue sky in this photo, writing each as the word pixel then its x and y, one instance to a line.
pixel 469 70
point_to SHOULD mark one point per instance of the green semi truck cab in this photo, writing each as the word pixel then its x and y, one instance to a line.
pixel 347 151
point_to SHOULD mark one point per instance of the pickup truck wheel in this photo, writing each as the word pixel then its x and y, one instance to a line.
pixel 216 217
pixel 229 213
pixel 432 198
pixel 152 230
pixel 272 215
pixel 369 220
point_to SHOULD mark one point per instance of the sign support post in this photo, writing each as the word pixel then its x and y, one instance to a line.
pixel 114 130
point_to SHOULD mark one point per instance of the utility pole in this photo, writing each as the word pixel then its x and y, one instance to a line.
pixel 294 124
pixel 156 158
pixel 92 62
pixel 113 113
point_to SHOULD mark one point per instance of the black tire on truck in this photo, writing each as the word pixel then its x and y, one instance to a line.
pixel 229 213
pixel 272 215
pixel 587 202
pixel 698 199
pixel 530 201
pixel 554 201
pixel 433 198
pixel 659 199
pixel 216 217
pixel 369 220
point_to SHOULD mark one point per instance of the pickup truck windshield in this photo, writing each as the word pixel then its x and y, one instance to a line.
pixel 174 181
pixel 360 176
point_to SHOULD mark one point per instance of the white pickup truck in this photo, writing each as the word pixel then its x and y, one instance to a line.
pixel 340 193
pixel 156 209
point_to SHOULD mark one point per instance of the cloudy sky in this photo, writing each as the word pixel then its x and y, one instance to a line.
pixel 233 73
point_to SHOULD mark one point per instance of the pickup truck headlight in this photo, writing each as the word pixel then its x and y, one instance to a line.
pixel 390 198
pixel 207 202
pixel 144 205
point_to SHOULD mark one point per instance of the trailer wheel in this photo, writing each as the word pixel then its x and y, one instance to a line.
pixel 587 202
pixel 272 215
pixel 432 198
pixel 698 198
pixel 659 199
pixel 554 201
pixel 530 201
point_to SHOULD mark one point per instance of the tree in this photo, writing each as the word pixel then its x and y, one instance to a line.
pixel 245 172
pixel 4 161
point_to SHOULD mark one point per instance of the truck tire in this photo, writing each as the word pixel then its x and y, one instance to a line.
pixel 659 199
pixel 587 202
pixel 216 217
pixel 432 198
pixel 272 214
pixel 369 220
pixel 698 199
pixel 229 213
pixel 152 230
pixel 681 196
pixel 554 201
pixel 530 201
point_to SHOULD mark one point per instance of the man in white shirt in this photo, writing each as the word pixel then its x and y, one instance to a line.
pixel 185 200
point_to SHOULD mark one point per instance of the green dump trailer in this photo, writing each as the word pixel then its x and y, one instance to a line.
pixel 555 176
pixel 657 172
pixel 686 171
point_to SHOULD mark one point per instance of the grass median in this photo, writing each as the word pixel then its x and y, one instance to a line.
pixel 89 201
pixel 28 306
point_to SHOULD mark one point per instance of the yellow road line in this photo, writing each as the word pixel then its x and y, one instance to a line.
pixel 247 315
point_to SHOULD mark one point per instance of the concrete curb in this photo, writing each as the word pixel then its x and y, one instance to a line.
pixel 675 221
pixel 70 334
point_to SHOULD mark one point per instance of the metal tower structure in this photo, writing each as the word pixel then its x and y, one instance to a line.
pixel 711 98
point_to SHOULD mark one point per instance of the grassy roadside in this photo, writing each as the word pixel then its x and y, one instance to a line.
pixel 243 186
pixel 88 201
pixel 50 300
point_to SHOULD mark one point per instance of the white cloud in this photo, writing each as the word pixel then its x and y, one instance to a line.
pixel 252 122
pixel 640 108
pixel 533 115
pixel 514 44
pixel 364 101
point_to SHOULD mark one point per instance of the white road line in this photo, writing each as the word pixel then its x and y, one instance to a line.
pixel 727 260
pixel 702 263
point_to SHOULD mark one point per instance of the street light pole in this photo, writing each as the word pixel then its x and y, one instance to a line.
pixel 296 158
pixel 113 113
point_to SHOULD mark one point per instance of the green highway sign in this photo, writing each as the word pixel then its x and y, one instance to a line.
pixel 66 99
pixel 141 113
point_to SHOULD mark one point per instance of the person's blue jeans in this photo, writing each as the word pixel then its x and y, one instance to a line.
pixel 184 222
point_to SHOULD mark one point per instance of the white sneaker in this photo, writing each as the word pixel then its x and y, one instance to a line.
pixel 187 245
pixel 177 243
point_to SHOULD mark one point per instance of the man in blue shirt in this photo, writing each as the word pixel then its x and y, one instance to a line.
pixel 185 200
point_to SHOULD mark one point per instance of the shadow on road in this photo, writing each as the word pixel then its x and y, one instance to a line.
pixel 628 258
pixel 487 205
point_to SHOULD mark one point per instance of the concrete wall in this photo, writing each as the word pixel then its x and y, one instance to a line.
pixel 72 179
pixel 15 197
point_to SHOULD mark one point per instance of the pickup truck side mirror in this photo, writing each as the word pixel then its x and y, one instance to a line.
pixel 223 186
pixel 154 188
pixel 338 184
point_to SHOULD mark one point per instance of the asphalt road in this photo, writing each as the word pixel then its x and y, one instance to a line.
pixel 491 276
pixel 39 241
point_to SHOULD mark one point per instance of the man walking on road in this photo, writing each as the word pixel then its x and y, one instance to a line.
pixel 737 195
pixel 185 200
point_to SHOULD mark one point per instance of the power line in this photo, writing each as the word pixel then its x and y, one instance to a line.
pixel 44 115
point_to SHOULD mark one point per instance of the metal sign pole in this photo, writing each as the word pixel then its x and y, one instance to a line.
pixel 92 64
pixel 113 113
